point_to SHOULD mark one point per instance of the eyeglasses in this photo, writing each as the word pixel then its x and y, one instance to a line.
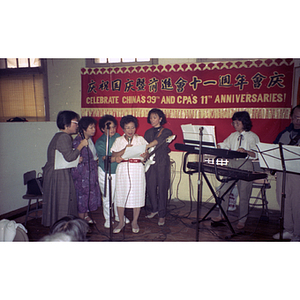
pixel 74 122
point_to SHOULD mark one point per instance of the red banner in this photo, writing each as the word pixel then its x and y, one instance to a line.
pixel 198 94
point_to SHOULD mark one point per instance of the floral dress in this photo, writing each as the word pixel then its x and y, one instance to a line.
pixel 85 178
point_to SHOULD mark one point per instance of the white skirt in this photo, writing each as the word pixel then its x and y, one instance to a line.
pixel 130 185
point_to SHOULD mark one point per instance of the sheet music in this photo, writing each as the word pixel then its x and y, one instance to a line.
pixel 191 132
pixel 134 152
pixel 61 163
pixel 269 157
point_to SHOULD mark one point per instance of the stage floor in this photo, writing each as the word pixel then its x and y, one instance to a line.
pixel 180 226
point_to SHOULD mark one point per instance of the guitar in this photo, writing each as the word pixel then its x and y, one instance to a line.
pixel 153 149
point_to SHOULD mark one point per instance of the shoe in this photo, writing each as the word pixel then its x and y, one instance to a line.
pixel 161 222
pixel 153 214
pixel 218 219
pixel 125 219
pixel 231 208
pixel 107 224
pixel 89 220
pixel 285 235
pixel 118 230
pixel 295 238
pixel 135 230
pixel 240 225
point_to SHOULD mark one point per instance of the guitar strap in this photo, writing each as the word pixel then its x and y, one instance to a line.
pixel 160 132
pixel 155 137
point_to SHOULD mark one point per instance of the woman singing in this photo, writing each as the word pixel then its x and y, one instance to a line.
pixel 85 176
pixel 130 174
pixel 59 197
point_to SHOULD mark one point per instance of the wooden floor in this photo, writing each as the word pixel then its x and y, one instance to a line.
pixel 180 226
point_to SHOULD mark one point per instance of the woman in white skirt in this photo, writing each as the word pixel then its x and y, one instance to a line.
pixel 130 174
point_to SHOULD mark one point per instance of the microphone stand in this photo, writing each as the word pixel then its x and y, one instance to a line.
pixel 199 195
pixel 283 195
pixel 107 167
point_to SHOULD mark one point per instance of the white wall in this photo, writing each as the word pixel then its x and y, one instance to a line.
pixel 23 147
pixel 64 85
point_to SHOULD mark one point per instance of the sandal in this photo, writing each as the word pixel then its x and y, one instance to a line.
pixel 89 220
pixel 150 216
pixel 240 225
pixel 218 219
pixel 118 230
pixel 161 222
pixel 135 230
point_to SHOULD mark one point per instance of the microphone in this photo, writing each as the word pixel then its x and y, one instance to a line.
pixel 108 125
pixel 129 140
pixel 81 134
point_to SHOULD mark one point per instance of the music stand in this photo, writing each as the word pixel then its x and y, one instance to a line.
pixel 199 135
pixel 191 135
pixel 199 192
pixel 204 135
pixel 284 158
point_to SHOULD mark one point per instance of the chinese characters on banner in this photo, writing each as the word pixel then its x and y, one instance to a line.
pixel 198 94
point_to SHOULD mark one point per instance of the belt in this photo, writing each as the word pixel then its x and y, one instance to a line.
pixel 131 160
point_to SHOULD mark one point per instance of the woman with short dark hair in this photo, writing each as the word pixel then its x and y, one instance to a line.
pixel 130 174
pixel 85 175
pixel 59 198
pixel 158 175
pixel 242 140
pixel 108 126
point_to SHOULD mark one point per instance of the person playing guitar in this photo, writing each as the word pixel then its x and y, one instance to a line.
pixel 158 174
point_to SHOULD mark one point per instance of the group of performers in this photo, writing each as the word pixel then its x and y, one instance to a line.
pixel 86 183
pixel 80 190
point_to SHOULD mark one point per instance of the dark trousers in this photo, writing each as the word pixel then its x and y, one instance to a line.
pixel 158 183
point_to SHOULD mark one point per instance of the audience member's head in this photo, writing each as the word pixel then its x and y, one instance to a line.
pixel 68 229
pixel 57 237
